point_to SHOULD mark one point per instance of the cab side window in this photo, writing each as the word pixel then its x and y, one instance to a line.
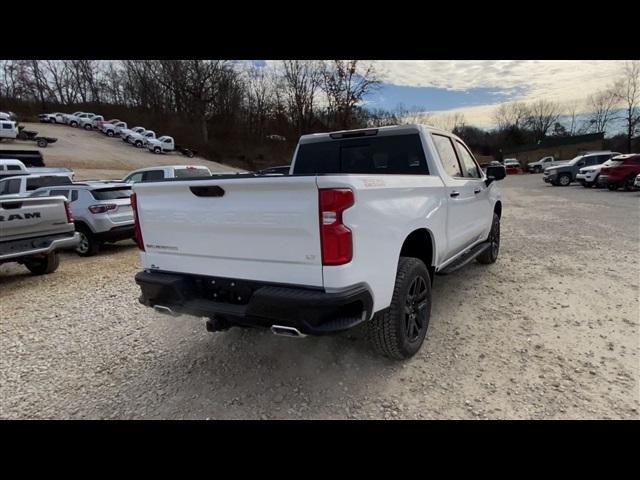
pixel 447 155
pixel 469 165
pixel 152 175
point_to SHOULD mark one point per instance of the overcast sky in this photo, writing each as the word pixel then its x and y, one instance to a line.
pixel 476 87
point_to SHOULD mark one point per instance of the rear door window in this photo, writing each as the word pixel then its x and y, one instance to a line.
pixel 55 193
pixel 447 154
pixel 152 175
pixel 10 187
pixel 33 183
pixel 395 154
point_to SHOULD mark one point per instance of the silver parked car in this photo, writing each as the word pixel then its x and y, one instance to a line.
pixel 101 212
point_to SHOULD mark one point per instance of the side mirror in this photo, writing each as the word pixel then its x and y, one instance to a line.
pixel 495 172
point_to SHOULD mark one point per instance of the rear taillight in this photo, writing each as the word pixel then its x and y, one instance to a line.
pixel 67 209
pixel 335 237
pixel 137 233
pixel 102 208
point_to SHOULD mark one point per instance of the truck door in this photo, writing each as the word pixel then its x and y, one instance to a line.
pixel 482 208
pixel 462 209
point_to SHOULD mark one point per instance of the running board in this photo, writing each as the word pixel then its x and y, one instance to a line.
pixel 465 258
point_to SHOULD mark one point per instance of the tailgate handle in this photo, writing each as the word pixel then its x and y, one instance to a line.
pixel 11 205
pixel 214 191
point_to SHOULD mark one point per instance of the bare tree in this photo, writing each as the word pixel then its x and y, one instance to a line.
pixel 301 81
pixel 448 121
pixel 602 105
pixel 511 115
pixel 628 93
pixel 542 115
pixel 346 83
pixel 572 109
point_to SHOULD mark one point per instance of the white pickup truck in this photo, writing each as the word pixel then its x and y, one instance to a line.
pixel 353 235
pixel 32 230
pixel 113 129
pixel 140 139
pixel 166 144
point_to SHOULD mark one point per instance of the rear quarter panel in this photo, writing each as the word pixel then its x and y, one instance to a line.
pixel 387 209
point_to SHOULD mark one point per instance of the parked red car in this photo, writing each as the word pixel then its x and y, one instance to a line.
pixel 621 172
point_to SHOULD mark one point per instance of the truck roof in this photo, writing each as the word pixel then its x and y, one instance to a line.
pixel 166 166
pixel 389 130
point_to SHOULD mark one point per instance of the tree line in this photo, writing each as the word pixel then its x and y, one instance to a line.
pixel 234 111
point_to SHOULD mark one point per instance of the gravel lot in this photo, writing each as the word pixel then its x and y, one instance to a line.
pixel 552 330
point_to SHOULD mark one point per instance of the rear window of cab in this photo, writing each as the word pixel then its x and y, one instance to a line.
pixel 393 154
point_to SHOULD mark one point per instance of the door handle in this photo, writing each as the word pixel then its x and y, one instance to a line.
pixel 454 194
pixel 477 190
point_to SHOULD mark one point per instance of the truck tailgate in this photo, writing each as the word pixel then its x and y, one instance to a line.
pixel 23 217
pixel 262 229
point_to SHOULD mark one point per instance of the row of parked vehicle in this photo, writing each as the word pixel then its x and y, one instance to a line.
pixel 612 170
pixel 44 210
pixel 137 136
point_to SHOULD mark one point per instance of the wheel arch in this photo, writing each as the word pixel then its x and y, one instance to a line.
pixel 497 209
pixel 420 244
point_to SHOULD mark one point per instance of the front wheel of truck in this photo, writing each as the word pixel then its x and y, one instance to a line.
pixel 399 331
pixel 490 255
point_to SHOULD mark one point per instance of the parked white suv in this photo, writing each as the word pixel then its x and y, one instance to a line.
pixel 354 236
pixel 101 212
pixel 588 176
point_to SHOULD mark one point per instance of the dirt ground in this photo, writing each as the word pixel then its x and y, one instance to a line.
pixel 550 331
pixel 94 156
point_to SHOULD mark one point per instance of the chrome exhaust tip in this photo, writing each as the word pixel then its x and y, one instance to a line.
pixel 165 310
pixel 286 331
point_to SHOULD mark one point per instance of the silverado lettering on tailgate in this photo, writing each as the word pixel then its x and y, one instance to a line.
pixel 225 218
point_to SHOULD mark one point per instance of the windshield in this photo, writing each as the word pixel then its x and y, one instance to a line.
pixel 575 160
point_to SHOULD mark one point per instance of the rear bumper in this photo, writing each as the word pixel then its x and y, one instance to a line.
pixel 37 246
pixel 311 311
pixel 116 234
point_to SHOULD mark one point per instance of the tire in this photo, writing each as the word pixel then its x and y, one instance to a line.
pixel 44 265
pixel 73 124
pixel 537 169
pixel 87 127
pixel 490 255
pixel 110 133
pixel 88 245
pixel 42 143
pixel 22 136
pixel 53 120
pixel 157 150
pixel 189 154
pixel 628 183
pixel 399 331
pixel 138 144
pixel 564 180
pixel 613 187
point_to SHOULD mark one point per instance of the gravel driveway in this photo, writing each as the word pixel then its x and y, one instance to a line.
pixel 549 331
